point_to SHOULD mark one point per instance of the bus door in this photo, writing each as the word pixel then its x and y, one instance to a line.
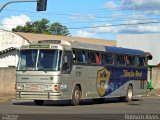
pixel 79 67
pixel 94 71
pixel 67 74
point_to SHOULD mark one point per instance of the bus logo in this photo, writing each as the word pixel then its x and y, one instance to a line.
pixel 102 81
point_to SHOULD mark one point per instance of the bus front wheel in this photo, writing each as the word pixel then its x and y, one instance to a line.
pixel 129 95
pixel 76 95
pixel 38 102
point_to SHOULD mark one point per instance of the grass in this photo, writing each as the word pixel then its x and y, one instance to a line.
pixel 6 98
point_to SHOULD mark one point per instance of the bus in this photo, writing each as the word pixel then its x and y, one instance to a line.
pixel 71 70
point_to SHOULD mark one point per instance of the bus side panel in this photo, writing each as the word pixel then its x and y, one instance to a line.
pixel 90 77
pixel 121 77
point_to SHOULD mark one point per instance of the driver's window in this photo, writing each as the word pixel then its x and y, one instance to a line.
pixel 67 62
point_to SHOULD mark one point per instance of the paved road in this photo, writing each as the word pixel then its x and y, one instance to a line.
pixel 112 106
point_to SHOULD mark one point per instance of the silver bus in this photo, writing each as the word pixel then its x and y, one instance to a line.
pixel 70 70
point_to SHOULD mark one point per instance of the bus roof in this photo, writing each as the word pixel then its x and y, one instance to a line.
pixel 107 48
pixel 79 45
pixel 124 50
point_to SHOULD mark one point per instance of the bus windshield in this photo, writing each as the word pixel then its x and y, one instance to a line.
pixel 43 60
pixel 49 60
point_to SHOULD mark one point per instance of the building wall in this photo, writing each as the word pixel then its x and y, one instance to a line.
pixel 9 59
pixel 156 77
pixel 146 42
pixel 7 40
pixel 7 81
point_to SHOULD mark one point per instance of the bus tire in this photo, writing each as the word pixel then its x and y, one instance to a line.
pixel 129 94
pixel 76 96
pixel 38 102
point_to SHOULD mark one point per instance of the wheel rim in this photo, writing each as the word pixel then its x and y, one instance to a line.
pixel 77 95
pixel 130 94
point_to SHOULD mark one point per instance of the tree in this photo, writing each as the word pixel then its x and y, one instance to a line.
pixel 58 29
pixel 43 27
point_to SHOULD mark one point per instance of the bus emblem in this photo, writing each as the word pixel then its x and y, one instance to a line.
pixel 103 76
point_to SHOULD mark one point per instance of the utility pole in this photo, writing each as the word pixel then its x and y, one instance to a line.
pixel 133 9
pixel 41 4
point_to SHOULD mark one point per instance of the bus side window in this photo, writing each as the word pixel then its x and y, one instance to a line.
pixel 137 61
pixel 126 59
pixel 84 56
pixel 81 56
pixel 98 59
pixel 109 59
pixel 131 60
pixel 142 61
pixel 120 60
pixel 74 56
pixel 92 58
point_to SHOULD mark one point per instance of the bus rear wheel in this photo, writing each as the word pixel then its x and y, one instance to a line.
pixel 38 102
pixel 76 96
pixel 129 94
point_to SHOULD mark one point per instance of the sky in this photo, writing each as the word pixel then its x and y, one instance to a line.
pixel 103 19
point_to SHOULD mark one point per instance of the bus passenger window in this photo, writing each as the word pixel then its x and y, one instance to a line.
pixel 98 60
pixel 120 59
pixel 126 59
pixel 142 61
pixel 131 60
pixel 74 56
pixel 92 57
pixel 80 56
pixel 109 58
pixel 84 56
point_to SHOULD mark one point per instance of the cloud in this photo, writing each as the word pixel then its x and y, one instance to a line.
pixel 138 28
pixel 141 28
pixel 13 21
pixel 103 28
pixel 110 5
pixel 141 4
pixel 82 17
pixel 86 34
pixel 116 15
pixel 152 12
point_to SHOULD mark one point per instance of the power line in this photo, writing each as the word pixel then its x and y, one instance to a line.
pixel 122 20
pixel 66 14
pixel 86 27
pixel 96 17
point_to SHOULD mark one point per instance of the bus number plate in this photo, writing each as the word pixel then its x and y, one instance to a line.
pixel 34 87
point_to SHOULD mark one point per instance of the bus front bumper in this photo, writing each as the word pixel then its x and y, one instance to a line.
pixel 39 95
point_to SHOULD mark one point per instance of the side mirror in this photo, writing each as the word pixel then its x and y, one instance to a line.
pixel 149 56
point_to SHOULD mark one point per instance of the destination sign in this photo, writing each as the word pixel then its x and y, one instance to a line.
pixel 39 46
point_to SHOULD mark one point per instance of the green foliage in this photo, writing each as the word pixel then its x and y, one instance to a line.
pixel 58 29
pixel 43 27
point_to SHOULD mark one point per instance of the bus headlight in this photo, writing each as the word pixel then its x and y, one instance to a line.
pixel 55 87
pixel 20 86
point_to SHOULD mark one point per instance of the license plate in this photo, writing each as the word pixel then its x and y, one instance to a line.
pixel 34 87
